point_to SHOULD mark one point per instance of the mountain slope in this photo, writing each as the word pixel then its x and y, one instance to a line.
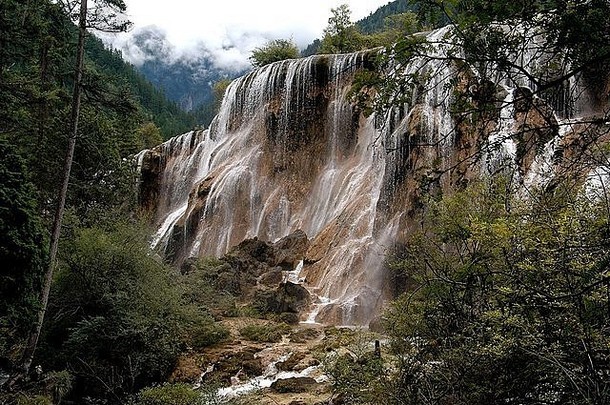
pixel 155 104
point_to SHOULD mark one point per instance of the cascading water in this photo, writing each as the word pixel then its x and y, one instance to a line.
pixel 289 151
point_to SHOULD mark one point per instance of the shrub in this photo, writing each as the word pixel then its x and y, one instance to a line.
pixel 207 335
pixel 119 319
pixel 273 51
pixel 265 333
pixel 169 394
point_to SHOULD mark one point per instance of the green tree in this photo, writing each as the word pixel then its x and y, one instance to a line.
pixel 22 253
pixel 119 318
pixel 101 17
pixel 508 301
pixel 273 51
pixel 149 135
pixel 340 35
pixel 400 25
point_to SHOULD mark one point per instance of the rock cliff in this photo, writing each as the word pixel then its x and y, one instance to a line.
pixel 289 150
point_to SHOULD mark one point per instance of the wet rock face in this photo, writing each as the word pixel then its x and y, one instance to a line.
pixel 289 150
pixel 150 180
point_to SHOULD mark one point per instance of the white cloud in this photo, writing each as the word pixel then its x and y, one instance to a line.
pixel 230 29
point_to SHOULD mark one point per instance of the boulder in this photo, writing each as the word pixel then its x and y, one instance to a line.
pixel 290 362
pixel 288 297
pixel 291 249
pixel 293 385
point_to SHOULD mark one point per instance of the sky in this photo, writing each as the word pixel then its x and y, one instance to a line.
pixel 229 30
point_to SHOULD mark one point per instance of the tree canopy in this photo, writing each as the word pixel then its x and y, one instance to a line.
pixel 274 51
pixel 508 300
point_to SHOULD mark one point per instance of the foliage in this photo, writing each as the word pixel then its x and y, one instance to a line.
pixel 509 301
pixel 35 62
pixel 340 35
pixel 357 370
pixel 149 135
pixel 274 51
pixel 381 28
pixel 35 400
pixel 169 394
pixel 51 388
pixel 265 333
pixel 118 318
pixel 22 252
pixel 205 286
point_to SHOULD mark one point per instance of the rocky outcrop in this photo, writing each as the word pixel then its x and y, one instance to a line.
pixel 255 272
pixel 289 150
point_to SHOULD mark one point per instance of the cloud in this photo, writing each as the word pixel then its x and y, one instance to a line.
pixel 226 32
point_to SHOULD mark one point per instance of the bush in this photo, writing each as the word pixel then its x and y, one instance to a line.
pixel 169 394
pixel 508 300
pixel 273 51
pixel 208 334
pixel 265 333
pixel 118 318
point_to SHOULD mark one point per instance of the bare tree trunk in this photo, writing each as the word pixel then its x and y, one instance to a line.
pixel 32 343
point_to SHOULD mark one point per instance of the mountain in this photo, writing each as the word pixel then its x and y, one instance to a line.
pixel 164 112
pixel 187 79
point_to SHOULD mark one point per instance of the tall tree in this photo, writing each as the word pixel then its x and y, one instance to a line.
pixel 102 16
pixel 340 35
pixel 22 252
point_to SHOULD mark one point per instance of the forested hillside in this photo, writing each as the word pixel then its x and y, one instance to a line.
pixel 110 296
pixel 375 22
pixel 153 103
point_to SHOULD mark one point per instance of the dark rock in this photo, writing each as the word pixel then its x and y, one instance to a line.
pixel 377 324
pixel 271 278
pixel 290 362
pixel 288 297
pixel 255 249
pixel 293 385
pixel 234 363
pixel 290 318
pixel 289 250
pixel 296 294
pixel 150 180
pixel 523 97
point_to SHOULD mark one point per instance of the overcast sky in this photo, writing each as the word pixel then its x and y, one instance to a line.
pixel 230 29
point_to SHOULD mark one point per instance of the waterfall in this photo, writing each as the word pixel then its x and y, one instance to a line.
pixel 288 150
